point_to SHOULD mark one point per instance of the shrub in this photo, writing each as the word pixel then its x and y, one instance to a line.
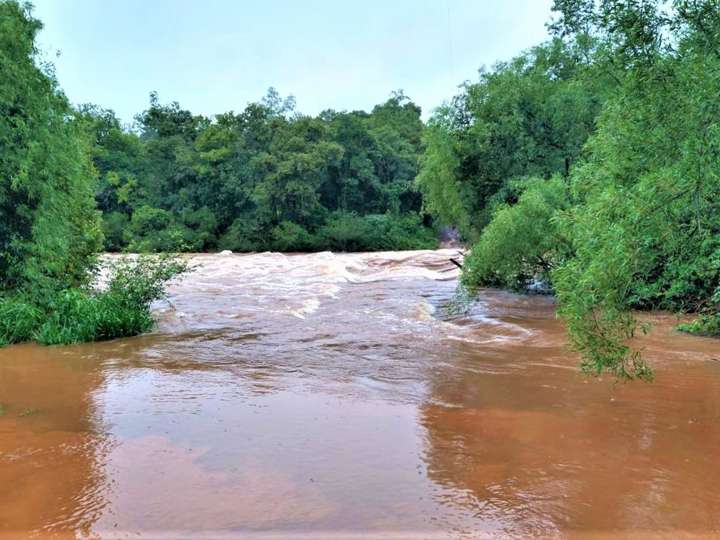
pixel 72 319
pixel 244 235
pixel 198 229
pixel 704 325
pixel 80 315
pixel 405 232
pixel 289 236
pixel 155 230
pixel 350 232
pixel 522 242
pixel 140 281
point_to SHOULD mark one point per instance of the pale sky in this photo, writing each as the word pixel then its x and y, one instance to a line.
pixel 217 55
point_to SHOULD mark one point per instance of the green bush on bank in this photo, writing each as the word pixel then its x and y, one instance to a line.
pixel 522 242
pixel 704 325
pixel 19 319
pixel 707 324
pixel 78 315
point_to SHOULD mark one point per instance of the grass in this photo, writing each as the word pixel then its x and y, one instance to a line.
pixel 19 319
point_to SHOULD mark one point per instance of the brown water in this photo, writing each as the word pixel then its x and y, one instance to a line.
pixel 327 396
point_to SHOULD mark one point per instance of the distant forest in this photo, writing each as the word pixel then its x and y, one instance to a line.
pixel 266 178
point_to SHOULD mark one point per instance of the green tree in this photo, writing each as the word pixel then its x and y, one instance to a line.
pixel 49 228
pixel 527 117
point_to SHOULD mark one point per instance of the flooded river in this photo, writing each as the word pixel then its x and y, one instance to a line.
pixel 331 396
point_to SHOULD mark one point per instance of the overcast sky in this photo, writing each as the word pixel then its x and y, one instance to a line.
pixel 217 55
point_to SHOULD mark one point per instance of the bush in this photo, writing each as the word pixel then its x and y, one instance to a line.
pixel 244 235
pixel 522 242
pixel 404 232
pixel 704 325
pixel 289 236
pixel 140 281
pixel 72 319
pixel 199 229
pixel 350 232
pixel 81 315
pixel 153 230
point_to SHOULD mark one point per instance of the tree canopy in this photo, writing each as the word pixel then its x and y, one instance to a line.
pixel 264 178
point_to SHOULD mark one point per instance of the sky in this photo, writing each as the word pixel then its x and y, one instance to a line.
pixel 215 56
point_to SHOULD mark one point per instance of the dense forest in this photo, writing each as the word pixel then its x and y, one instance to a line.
pixel 267 178
pixel 588 164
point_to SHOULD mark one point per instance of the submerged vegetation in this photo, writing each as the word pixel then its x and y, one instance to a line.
pixel 590 164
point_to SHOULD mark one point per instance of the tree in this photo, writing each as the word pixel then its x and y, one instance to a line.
pixel 527 117
pixel 49 228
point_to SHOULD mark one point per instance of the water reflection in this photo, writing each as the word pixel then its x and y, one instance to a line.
pixel 51 450
pixel 543 451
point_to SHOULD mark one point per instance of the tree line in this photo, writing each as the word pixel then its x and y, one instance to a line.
pixel 267 178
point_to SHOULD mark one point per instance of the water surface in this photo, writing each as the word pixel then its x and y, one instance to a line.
pixel 330 396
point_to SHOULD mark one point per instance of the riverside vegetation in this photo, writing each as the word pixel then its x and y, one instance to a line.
pixel 50 229
pixel 589 162
pixel 592 162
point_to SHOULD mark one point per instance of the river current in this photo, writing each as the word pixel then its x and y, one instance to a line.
pixel 336 396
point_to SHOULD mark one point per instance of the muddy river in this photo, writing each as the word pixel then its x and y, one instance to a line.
pixel 332 396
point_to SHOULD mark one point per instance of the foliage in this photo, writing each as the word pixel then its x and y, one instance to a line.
pixel 350 232
pixel 289 236
pixel 19 319
pixel 49 228
pixel 522 241
pixel 266 178
pixel 705 325
pixel 708 323
pixel 628 92
pixel 646 225
pixel 139 281
pixel 527 117
pixel 78 315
